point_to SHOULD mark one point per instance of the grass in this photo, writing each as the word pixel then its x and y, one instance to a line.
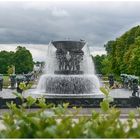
pixel 6 81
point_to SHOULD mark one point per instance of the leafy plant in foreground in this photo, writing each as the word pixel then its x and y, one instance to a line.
pixel 52 121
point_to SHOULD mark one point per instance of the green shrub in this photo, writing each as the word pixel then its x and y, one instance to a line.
pixel 52 121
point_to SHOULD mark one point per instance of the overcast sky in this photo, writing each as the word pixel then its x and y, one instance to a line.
pixel 32 22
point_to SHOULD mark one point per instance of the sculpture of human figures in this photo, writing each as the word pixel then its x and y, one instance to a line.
pixel 66 63
pixel 13 81
pixel 69 61
pixel 1 82
pixel 74 62
pixel 62 62
pixel 111 80
pixel 130 82
pixel 135 88
pixel 71 65
pixel 79 58
pixel 77 63
pixel 122 79
pixel 126 82
pixel 76 58
pixel 60 55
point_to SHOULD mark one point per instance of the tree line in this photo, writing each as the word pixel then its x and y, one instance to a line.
pixel 123 54
pixel 21 60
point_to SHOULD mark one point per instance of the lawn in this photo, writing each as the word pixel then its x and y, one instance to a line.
pixel 6 81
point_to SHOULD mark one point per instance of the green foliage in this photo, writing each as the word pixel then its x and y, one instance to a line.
pixel 104 105
pixel 105 91
pixel 24 87
pixel 19 95
pixel 21 59
pixel 30 101
pixel 10 70
pixel 106 66
pixel 98 63
pixel 124 52
pixel 59 122
pixel 102 64
pixel 6 59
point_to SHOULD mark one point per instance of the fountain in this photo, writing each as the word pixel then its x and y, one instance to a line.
pixel 69 71
pixel 69 77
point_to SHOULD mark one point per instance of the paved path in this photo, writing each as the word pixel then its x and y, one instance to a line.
pixel 121 93
pixel 115 93
pixel 7 93
pixel 83 111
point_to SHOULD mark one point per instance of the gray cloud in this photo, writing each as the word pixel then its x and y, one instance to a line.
pixel 40 22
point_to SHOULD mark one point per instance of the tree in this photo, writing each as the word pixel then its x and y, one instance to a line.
pixel 98 63
pixel 106 66
pixel 135 62
pixel 23 60
pixel 10 70
pixel 6 59
pixel 123 53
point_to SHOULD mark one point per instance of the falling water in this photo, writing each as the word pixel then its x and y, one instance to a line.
pixel 68 84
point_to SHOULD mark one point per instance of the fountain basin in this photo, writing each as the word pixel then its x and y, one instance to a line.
pixel 68 84
pixel 69 45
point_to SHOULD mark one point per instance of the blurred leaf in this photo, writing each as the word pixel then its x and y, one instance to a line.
pixel 74 107
pixel 58 122
pixel 19 95
pixel 30 100
pixel 95 115
pixel 108 99
pixel 22 86
pixel 41 102
pixel 104 105
pixel 131 114
pixel 104 90
pixel 65 105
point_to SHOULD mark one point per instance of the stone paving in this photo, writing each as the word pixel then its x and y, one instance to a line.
pixel 115 93
pixel 7 93
pixel 121 93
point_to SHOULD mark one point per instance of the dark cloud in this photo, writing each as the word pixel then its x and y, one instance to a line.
pixel 41 22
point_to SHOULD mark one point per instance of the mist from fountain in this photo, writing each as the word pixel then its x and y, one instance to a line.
pixel 72 84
